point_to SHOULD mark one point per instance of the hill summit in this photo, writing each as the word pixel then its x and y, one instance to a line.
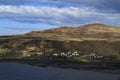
pixel 94 31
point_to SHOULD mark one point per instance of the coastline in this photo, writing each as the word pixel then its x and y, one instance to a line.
pixel 67 64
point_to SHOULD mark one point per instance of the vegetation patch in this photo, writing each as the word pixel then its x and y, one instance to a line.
pixel 83 59
pixel 3 51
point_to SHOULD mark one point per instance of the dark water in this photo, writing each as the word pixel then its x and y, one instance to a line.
pixel 16 71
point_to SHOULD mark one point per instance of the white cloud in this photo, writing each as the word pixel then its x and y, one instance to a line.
pixel 101 4
pixel 56 16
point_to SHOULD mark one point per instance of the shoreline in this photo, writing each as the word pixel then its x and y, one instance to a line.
pixel 67 64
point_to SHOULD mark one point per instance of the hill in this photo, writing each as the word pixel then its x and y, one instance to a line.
pixel 95 38
pixel 95 31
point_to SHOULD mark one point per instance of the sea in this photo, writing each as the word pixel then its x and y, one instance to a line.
pixel 18 71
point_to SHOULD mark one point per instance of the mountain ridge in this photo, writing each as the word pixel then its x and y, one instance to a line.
pixel 96 31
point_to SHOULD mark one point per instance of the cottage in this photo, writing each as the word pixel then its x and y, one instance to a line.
pixel 63 54
pixel 28 55
pixel 55 54
pixel 39 53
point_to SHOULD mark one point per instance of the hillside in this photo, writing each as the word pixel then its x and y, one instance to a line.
pixel 86 32
pixel 95 38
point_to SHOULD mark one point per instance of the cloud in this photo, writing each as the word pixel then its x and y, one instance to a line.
pixel 56 16
pixel 100 4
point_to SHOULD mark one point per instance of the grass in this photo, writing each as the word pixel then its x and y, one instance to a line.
pixel 2 51
pixel 84 59
pixel 118 59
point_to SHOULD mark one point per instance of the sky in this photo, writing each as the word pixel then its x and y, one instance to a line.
pixel 22 16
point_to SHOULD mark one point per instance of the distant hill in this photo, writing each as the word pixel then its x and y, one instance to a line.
pixel 95 31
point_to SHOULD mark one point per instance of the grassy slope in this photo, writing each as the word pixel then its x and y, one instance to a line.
pixel 34 45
